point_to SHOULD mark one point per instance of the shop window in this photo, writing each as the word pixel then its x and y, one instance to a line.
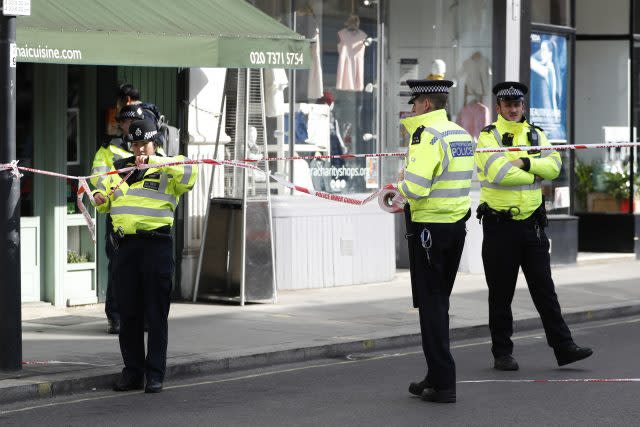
pixel 554 12
pixel 598 17
pixel 334 102
pixel 602 115
pixel 449 39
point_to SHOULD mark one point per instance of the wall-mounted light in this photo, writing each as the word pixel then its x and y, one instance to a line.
pixel 369 40
pixel 370 87
pixel 369 2
pixel 369 136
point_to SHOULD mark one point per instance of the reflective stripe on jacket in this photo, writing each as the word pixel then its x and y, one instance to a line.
pixel 103 162
pixel 149 204
pixel 438 168
pixel 504 186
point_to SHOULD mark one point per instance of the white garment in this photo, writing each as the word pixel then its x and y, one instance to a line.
pixel 476 73
pixel 315 86
pixel 318 124
pixel 275 81
pixel 351 48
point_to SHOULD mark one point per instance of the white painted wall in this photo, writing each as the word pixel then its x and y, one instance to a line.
pixel 321 244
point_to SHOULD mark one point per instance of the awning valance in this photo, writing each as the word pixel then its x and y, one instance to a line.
pixel 162 33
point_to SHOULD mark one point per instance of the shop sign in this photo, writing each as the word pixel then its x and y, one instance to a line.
pixel 16 7
pixel 549 84
pixel 285 59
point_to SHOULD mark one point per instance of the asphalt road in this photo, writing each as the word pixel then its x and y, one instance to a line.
pixel 371 390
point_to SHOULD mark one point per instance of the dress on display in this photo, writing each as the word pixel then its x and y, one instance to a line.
pixel 476 73
pixel 315 85
pixel 474 117
pixel 275 81
pixel 350 75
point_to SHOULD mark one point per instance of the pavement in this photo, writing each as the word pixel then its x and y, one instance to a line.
pixel 67 350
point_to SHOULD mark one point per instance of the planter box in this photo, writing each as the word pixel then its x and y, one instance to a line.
pixel 79 284
pixel 606 232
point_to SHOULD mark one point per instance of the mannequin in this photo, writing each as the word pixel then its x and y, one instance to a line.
pixel 438 70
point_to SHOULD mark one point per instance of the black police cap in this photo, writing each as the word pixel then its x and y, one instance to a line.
pixel 510 91
pixel 131 112
pixel 426 87
pixel 142 130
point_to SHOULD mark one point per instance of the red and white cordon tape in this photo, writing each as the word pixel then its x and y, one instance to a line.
pixel 389 198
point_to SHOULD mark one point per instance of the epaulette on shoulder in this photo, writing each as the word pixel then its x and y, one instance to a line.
pixel 488 128
pixel 538 128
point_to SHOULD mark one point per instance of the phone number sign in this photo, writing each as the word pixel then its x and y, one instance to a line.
pixel 276 58
pixel 16 7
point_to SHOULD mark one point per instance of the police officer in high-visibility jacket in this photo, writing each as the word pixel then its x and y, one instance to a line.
pixel 108 153
pixel 436 182
pixel 142 210
pixel 513 218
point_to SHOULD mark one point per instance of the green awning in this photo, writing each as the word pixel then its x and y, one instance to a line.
pixel 162 33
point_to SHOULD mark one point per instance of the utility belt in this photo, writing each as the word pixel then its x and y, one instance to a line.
pixel 486 213
pixel 118 236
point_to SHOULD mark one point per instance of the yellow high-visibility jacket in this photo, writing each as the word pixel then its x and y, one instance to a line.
pixel 149 203
pixel 504 186
pixel 103 162
pixel 438 168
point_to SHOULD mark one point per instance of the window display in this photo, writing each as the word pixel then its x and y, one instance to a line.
pixel 334 110
pixel 438 39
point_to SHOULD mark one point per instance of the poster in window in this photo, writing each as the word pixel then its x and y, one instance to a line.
pixel 549 84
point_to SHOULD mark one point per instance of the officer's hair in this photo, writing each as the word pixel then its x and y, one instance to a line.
pixel 128 90
pixel 437 100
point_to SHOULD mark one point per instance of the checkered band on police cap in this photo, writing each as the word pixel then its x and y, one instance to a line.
pixel 420 87
pixel 131 112
pixel 510 90
pixel 142 130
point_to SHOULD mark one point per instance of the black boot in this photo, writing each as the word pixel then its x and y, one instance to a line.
pixel 417 388
pixel 114 327
pixel 439 396
pixel 126 383
pixel 571 353
pixel 505 363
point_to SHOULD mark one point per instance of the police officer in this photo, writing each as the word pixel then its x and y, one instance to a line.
pixel 142 211
pixel 436 182
pixel 513 219
pixel 103 160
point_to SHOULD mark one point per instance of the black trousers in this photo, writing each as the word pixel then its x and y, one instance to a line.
pixel 433 273
pixel 144 273
pixel 507 246
pixel 110 304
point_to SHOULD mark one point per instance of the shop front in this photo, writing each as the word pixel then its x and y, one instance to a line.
pixel 584 71
pixel 350 101
pixel 71 58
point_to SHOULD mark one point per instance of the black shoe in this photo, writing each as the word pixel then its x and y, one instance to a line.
pixel 417 388
pixel 571 353
pixel 505 363
pixel 127 384
pixel 439 396
pixel 114 327
pixel 153 386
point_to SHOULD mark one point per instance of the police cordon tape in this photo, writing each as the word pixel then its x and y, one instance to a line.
pixel 389 198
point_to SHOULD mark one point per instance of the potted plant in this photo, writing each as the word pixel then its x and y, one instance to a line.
pixel 618 185
pixel 584 185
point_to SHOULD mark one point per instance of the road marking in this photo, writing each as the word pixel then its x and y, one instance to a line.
pixel 566 380
pixel 315 366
